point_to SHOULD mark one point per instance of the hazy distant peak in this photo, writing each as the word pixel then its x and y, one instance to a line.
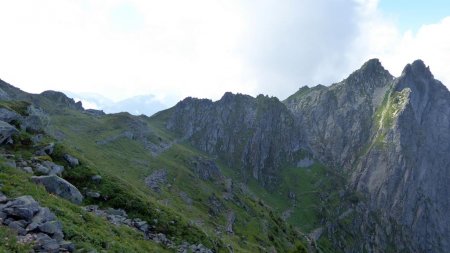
pixel 146 104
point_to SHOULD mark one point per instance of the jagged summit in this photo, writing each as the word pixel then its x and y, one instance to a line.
pixel 229 97
pixel 62 99
pixel 370 73
pixel 372 64
pixel 418 68
pixel 419 78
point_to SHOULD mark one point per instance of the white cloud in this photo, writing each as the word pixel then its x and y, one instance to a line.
pixel 176 48
pixel 430 43
pixel 179 47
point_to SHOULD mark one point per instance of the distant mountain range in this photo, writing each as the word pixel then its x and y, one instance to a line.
pixel 137 105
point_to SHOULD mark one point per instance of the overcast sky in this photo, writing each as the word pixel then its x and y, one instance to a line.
pixel 203 48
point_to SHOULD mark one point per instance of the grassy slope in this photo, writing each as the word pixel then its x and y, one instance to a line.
pixel 124 164
pixel 84 229
pixel 256 228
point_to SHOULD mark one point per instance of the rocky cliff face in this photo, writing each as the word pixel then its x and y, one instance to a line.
pixel 406 171
pixel 254 134
pixel 391 135
pixel 58 99
pixel 336 121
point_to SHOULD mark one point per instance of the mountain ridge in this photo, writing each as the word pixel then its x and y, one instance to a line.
pixel 337 124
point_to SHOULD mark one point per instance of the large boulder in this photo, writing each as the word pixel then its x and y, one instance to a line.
pixel 24 207
pixel 6 132
pixel 60 187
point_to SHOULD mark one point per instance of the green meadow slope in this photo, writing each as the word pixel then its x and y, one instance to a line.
pixel 221 212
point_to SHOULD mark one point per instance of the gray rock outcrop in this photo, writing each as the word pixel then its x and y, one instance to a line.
pixel 97 179
pixel 46 150
pixel 231 218
pixel 206 169
pixel 60 187
pixel 6 132
pixel 34 224
pixel 120 217
pixel 72 161
pixel 54 169
pixel 215 205
pixel 156 180
pixel 60 98
pixel 36 121
pixel 9 116
pixel 93 112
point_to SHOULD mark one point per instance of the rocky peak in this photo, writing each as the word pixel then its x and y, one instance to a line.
pixel 412 161
pixel 418 68
pixel 7 91
pixel 230 98
pixel 247 132
pixel 372 65
pixel 371 75
pixel 425 92
pixel 62 99
pixel 227 96
pixel 192 100
pixel 418 77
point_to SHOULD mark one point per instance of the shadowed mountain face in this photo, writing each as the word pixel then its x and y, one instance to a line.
pixel 336 121
pixel 254 134
pixel 262 134
pixel 406 171
pixel 388 137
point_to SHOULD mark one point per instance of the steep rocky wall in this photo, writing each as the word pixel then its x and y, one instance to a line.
pixel 390 135
pixel 337 120
pixel 257 135
pixel 406 176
